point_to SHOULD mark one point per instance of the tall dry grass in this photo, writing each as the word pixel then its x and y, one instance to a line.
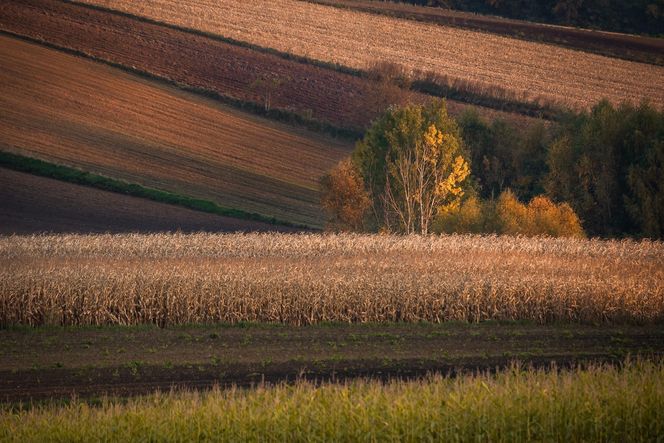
pixel 308 278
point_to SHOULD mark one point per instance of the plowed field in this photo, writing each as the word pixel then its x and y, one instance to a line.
pixel 358 39
pixel 339 99
pixel 72 111
pixel 629 47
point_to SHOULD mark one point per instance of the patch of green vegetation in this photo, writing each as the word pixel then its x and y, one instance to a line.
pixel 72 175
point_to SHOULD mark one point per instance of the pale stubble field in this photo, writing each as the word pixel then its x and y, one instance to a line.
pixel 358 40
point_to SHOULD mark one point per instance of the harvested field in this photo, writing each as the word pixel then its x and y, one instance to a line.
pixel 629 47
pixel 356 39
pixel 342 100
pixel 308 279
pixel 79 113
pixel 31 204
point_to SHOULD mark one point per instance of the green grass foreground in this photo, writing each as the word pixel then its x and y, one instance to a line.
pixel 600 403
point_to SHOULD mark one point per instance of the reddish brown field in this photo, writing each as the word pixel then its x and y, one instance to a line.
pixel 357 39
pixel 630 47
pixel 326 95
pixel 31 204
pixel 68 110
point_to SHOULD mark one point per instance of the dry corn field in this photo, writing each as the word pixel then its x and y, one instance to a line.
pixel 358 39
pixel 310 278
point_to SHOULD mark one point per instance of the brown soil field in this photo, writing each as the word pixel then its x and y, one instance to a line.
pixel 76 112
pixel 358 39
pixel 31 204
pixel 48 363
pixel 326 95
pixel 626 46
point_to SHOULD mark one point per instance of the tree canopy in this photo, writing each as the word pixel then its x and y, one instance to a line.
pixel 412 162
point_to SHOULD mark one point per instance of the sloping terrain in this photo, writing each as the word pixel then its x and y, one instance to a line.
pixel 68 110
pixel 31 204
pixel 630 47
pixel 357 39
pixel 329 96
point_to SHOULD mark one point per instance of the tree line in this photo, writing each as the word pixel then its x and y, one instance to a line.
pixel 630 16
pixel 417 169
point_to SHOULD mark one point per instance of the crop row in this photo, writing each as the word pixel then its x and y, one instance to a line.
pixel 308 279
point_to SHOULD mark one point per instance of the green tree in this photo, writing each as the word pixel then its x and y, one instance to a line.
pixel 413 165
pixel 502 157
pixel 608 165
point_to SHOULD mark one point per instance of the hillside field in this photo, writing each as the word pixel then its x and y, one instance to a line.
pixel 357 39
pixel 168 272
pixel 76 112
pixel 197 61
pixel 31 204
pixel 627 46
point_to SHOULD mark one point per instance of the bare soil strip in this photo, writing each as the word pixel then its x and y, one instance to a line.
pixel 58 362
pixel 357 39
pixel 625 46
pixel 67 110
pixel 329 96
pixel 31 204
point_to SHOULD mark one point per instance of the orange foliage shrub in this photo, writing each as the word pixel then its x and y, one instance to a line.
pixel 509 216
pixel 540 217
pixel 344 198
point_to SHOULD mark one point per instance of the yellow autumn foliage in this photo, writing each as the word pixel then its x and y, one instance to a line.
pixel 540 217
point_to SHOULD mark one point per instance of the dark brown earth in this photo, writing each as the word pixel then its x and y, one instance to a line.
pixel 213 65
pixel 31 204
pixel 625 46
pixel 58 362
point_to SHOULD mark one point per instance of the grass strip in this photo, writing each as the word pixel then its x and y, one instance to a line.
pixel 440 89
pixel 594 403
pixel 68 174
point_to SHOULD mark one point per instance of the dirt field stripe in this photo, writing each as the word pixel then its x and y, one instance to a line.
pixel 83 114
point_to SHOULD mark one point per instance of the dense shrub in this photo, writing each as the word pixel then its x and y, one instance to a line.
pixel 509 216
pixel 344 198
pixel 539 217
